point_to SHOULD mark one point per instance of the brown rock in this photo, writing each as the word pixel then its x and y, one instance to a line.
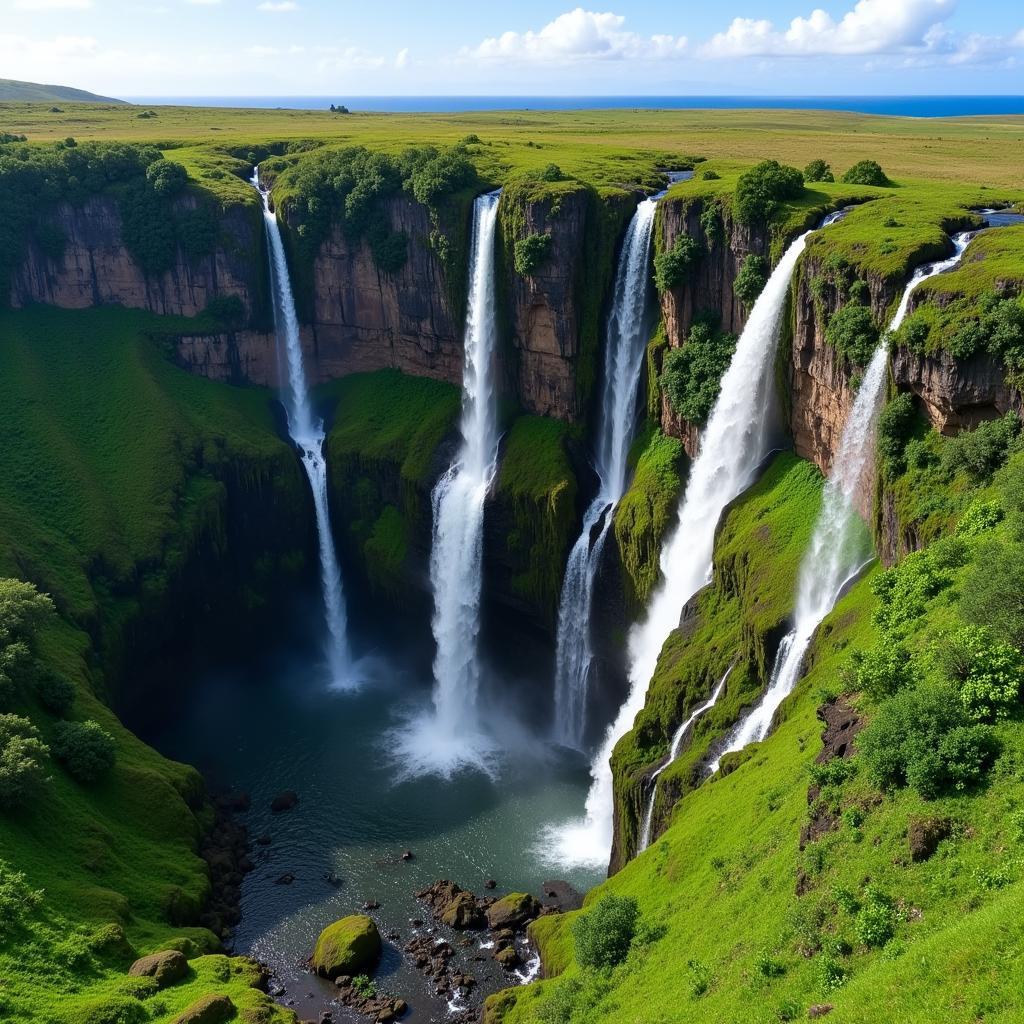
pixel 208 1010
pixel 507 957
pixel 819 1010
pixel 165 967
pixel 925 834
pixel 513 911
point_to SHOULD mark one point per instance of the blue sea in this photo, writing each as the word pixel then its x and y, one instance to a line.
pixel 902 106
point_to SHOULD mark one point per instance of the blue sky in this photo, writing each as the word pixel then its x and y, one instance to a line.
pixel 343 49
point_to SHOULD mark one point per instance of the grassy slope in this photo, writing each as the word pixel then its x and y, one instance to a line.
pixel 108 473
pixel 731 857
pixel 13 91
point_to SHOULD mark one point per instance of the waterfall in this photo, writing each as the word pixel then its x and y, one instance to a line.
pixel 456 557
pixel 733 445
pixel 626 345
pixel 841 544
pixel 673 753
pixel 307 432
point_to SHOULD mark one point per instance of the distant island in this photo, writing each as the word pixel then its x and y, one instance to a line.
pixel 12 91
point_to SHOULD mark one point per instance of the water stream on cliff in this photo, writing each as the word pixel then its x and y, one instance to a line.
pixel 452 737
pixel 307 431
pixel 734 443
pixel 841 544
pixel 673 753
pixel 626 343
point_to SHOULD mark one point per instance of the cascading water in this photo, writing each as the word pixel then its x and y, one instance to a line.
pixel 456 557
pixel 307 431
pixel 734 443
pixel 627 339
pixel 841 544
pixel 673 753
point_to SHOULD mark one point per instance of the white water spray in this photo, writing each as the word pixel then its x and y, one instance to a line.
pixel 307 432
pixel 627 341
pixel 456 557
pixel 733 445
pixel 841 544
pixel 673 753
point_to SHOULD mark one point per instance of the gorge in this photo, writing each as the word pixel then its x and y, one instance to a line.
pixel 574 468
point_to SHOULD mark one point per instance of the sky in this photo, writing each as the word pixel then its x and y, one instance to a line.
pixel 667 47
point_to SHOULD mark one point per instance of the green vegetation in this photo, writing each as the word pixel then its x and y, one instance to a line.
pixel 603 935
pixel 536 495
pixel 531 252
pixel 84 749
pixel 692 372
pixel 866 172
pixel 853 333
pixel 761 191
pixel 818 170
pixel 751 279
pixel 32 92
pixel 349 946
pixel 647 510
pixel 674 266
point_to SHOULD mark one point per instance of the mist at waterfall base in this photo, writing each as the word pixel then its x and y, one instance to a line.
pixel 740 432
pixel 841 543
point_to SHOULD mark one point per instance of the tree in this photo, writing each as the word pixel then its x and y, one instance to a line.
pixel 853 334
pixel 866 172
pixel 603 935
pixel 22 756
pixel 818 170
pixel 84 749
pixel 761 190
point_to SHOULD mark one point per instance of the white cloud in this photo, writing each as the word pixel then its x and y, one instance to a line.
pixel 402 57
pixel 872 26
pixel 278 6
pixel 578 35
pixel 52 5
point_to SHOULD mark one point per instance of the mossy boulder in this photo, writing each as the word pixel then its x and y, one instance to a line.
pixel 165 967
pixel 349 946
pixel 512 911
pixel 208 1010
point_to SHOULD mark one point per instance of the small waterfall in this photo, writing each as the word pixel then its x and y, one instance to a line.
pixel 841 544
pixel 626 344
pixel 307 431
pixel 673 753
pixel 733 445
pixel 458 503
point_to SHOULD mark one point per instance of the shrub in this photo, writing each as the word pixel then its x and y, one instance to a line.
pixel 866 172
pixel 22 753
pixel 166 178
pixel 552 172
pixel 603 935
pixel 761 190
pixel 895 425
pixel 831 973
pixel 364 986
pixel 55 692
pixel 818 170
pixel 876 920
pixel 966 754
pixel 692 373
pixel 711 224
pixel 700 977
pixel 992 593
pixel 17 900
pixel 768 966
pixel 884 669
pixel 990 673
pixel 853 334
pixel 980 517
pixel 674 266
pixel 84 749
pixel 983 450
pixel 529 253
pixel 710 175
pixel 751 279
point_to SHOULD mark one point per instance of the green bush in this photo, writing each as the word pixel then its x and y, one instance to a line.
pixel 691 375
pixel 884 669
pixel 552 172
pixel 980 517
pixel 166 178
pixel 983 450
pixel 55 692
pixel 751 279
pixel 992 593
pixel 711 224
pixel 22 755
pixel 895 426
pixel 831 972
pixel 84 749
pixel 852 332
pixel 966 753
pixel 989 673
pixel 530 253
pixel 675 265
pixel 761 190
pixel 866 172
pixel 876 920
pixel 710 175
pixel 604 934
pixel 818 170
pixel 17 900
pixel 227 310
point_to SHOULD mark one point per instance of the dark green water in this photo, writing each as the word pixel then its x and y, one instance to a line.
pixel 275 726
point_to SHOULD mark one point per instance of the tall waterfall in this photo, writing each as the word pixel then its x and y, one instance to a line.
pixel 841 544
pixel 307 431
pixel 734 443
pixel 627 340
pixel 673 753
pixel 458 503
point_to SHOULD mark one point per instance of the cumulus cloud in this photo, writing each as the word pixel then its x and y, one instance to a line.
pixel 872 26
pixel 402 57
pixel 578 35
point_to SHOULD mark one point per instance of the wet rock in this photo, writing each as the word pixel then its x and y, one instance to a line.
pixel 284 801
pixel 349 946
pixel 490 884
pixel 513 911
pixel 925 834
pixel 165 967
pixel 507 957
pixel 452 905
pixel 371 905
pixel 208 1010
pixel 408 855
pixel 561 896
pixel 286 879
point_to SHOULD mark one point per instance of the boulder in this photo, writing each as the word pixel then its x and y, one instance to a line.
pixel 208 1010
pixel 819 1010
pixel 925 834
pixel 462 912
pixel 284 801
pixel 512 911
pixel 349 946
pixel 507 957
pixel 165 967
